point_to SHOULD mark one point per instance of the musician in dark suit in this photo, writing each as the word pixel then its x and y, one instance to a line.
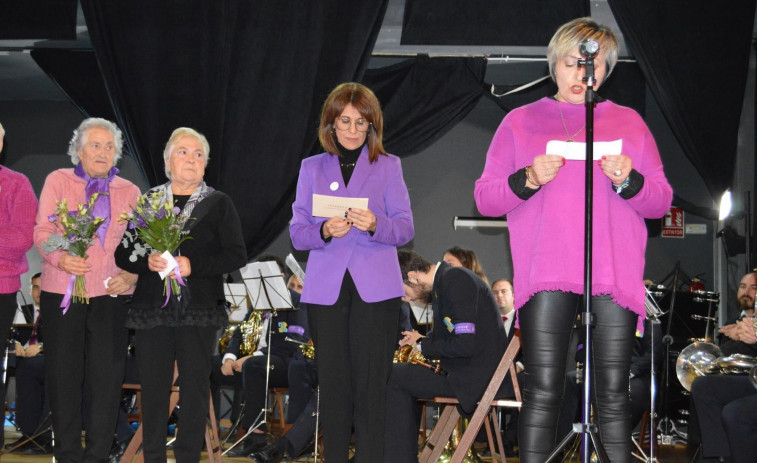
pixel 249 372
pixel 468 338
pixel 32 407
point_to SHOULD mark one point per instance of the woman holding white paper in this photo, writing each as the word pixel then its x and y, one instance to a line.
pixel 182 327
pixel 542 194
pixel 354 284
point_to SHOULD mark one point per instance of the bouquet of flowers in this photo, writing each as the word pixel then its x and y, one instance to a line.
pixel 78 229
pixel 159 224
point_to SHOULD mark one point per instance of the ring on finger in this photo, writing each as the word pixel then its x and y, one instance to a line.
pixel 617 172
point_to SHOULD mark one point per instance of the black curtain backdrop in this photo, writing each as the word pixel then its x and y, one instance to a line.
pixel 487 22
pixel 423 98
pixel 695 60
pixel 37 19
pixel 251 76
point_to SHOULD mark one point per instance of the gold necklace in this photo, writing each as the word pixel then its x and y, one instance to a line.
pixel 564 126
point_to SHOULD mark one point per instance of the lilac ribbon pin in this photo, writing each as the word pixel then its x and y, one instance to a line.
pixel 465 328
pixel 296 329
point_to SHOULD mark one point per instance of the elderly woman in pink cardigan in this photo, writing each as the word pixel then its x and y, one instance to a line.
pixel 543 197
pixel 87 343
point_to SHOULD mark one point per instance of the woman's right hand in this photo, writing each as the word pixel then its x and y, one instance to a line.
pixel 73 265
pixel 336 227
pixel 156 263
pixel 545 167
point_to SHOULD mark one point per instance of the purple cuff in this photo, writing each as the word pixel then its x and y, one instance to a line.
pixel 465 328
pixel 296 330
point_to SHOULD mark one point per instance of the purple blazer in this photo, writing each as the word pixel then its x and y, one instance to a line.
pixel 371 260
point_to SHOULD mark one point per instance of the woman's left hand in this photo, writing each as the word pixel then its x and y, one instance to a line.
pixel 362 219
pixel 185 267
pixel 616 167
pixel 120 283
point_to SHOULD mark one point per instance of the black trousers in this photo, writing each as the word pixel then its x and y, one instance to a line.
pixel 86 346
pixel 303 379
pixel 254 382
pixel 354 344
pixel 727 410
pixel 407 383
pixel 32 403
pixel 192 348
pixel 546 321
pixel 8 306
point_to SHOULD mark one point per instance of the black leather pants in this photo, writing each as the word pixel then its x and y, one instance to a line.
pixel 546 321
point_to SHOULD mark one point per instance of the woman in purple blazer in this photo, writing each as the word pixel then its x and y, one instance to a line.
pixel 354 284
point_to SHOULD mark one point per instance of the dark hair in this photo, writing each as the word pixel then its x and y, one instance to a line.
pixel 502 279
pixel 411 261
pixel 366 103
pixel 274 257
pixel 36 275
pixel 469 260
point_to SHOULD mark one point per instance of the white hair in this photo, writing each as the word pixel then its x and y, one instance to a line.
pixel 178 134
pixel 79 139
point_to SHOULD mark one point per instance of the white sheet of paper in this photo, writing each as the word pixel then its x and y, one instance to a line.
pixel 421 315
pixel 576 151
pixel 236 294
pixel 294 266
pixel 275 285
pixel 335 206
pixel 172 264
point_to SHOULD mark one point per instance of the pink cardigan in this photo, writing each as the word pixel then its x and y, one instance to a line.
pixel 547 230
pixel 63 183
pixel 18 206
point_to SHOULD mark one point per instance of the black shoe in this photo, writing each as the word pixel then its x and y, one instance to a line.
pixel 252 443
pixel 271 453
pixel 18 442
pixel 42 449
pixel 117 449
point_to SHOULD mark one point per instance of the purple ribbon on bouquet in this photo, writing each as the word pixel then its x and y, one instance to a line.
pixel 178 280
pixel 66 303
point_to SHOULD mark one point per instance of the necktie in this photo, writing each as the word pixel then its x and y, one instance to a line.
pixel 33 338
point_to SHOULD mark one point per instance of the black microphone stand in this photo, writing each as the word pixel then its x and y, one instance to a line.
pixel 586 428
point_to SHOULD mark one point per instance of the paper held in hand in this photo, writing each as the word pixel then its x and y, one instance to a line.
pixel 576 151
pixel 335 206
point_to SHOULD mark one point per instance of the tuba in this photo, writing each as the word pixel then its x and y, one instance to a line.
pixel 703 358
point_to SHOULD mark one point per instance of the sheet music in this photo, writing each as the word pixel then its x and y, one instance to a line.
pixel 294 266
pixel 236 294
pixel 422 312
pixel 257 274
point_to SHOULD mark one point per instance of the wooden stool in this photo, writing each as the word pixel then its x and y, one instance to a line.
pixel 277 405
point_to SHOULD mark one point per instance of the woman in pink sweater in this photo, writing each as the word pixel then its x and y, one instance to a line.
pixel 543 197
pixel 87 343
pixel 18 205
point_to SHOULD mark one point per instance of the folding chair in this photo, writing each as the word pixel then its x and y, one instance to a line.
pixel 486 408
pixel 212 442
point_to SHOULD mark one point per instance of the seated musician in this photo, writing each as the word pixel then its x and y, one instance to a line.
pixel 726 406
pixel 468 338
pixel 249 371
pixel 32 408
pixel 731 341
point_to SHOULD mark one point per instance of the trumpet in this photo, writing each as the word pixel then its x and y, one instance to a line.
pixel 307 348
pixel 408 353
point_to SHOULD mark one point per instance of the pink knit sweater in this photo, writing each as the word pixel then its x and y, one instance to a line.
pixel 63 183
pixel 18 206
pixel 547 230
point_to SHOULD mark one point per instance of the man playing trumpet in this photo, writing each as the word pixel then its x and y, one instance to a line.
pixel 468 338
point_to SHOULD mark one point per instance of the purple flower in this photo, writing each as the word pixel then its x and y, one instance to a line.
pixel 142 222
pixel 176 210
pixel 131 226
pixel 51 217
pixel 72 238
pixel 73 213
pixel 161 213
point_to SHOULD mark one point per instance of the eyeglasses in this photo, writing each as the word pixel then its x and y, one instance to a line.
pixel 344 123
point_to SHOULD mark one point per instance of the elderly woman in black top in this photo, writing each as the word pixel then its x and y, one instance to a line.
pixel 185 329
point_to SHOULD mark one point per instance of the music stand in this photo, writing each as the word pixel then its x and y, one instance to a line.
pixel 267 292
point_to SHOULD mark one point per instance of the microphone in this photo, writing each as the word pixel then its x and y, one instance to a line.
pixel 589 48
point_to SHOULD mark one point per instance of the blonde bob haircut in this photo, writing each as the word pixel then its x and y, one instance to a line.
pixel 366 103
pixel 571 34
pixel 177 135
